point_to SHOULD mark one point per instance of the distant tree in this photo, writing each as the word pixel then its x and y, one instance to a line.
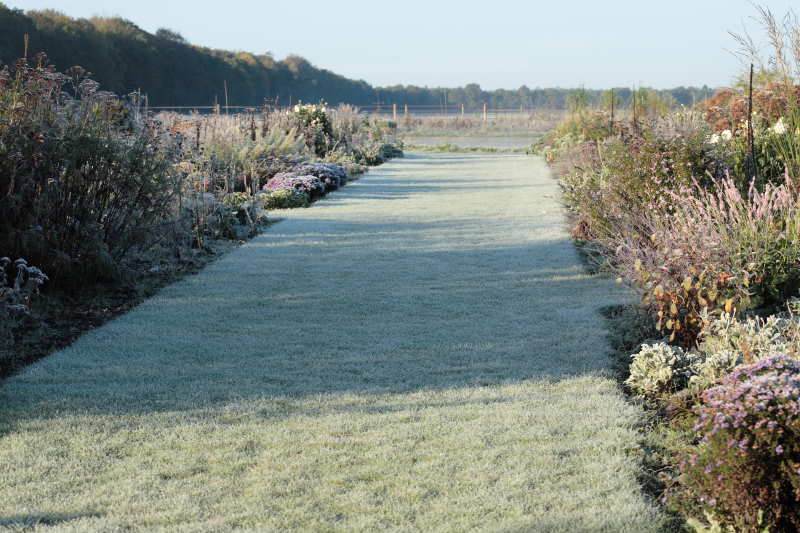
pixel 578 100
pixel 611 98
pixel 473 95
pixel 170 35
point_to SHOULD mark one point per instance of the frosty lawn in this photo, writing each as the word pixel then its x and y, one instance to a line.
pixel 419 351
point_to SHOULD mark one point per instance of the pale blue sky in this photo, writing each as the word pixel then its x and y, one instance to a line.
pixel 496 44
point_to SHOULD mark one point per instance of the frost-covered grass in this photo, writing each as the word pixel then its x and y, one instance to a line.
pixel 420 351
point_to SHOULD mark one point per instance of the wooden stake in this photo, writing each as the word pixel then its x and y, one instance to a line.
pixel 612 110
pixel 462 110
pixel 750 140
pixel 26 40
pixel 226 96
pixel 197 136
pixel 405 109
pixel 394 112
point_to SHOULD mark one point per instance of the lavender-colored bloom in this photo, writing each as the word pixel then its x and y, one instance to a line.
pixel 289 180
pixel 331 175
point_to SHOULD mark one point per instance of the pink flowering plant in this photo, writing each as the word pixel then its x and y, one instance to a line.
pixel 715 250
pixel 744 470
pixel 331 175
pixel 311 185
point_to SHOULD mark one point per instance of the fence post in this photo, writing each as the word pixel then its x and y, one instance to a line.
pixel 462 110
pixel 612 110
pixel 405 110
pixel 394 112
pixel 484 111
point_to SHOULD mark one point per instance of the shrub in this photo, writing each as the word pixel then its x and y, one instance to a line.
pixel 745 470
pixel 242 209
pixel 753 338
pixel 354 169
pixel 331 175
pixel 586 125
pixel 612 180
pixel 724 343
pixel 311 185
pixel 377 153
pixel 285 198
pixel 659 369
pixel 19 283
pixel 81 184
pixel 727 109
pixel 315 125
pixel 707 369
pixel 390 150
pixel 770 149
pixel 17 290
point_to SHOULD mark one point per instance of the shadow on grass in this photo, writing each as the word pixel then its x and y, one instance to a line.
pixel 628 327
pixel 366 313
pixel 325 303
pixel 24 523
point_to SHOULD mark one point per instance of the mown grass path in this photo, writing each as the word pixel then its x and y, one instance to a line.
pixel 421 351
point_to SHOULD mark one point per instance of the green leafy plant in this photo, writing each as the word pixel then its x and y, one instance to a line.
pixel 285 198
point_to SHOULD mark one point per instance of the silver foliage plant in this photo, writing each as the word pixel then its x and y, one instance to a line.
pixel 726 342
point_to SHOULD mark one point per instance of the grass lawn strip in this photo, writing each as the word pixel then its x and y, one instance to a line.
pixel 420 352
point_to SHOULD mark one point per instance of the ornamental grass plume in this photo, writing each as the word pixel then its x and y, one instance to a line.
pixel 716 250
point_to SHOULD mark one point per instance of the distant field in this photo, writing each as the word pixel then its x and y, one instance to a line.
pixel 473 141
pixel 473 125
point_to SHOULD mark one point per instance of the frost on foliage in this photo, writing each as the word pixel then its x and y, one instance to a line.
pixel 331 175
pixel 745 468
pixel 307 183
pixel 285 198
pixel 16 291
pixel 706 370
pixel 659 368
pixel 726 343
pixel 753 338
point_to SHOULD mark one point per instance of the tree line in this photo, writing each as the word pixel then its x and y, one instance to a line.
pixel 172 72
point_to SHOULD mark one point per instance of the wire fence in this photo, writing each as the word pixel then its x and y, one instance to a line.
pixel 395 111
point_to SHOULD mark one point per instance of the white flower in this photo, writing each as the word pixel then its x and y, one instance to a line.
pixel 779 127
pixel 714 139
pixel 726 135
